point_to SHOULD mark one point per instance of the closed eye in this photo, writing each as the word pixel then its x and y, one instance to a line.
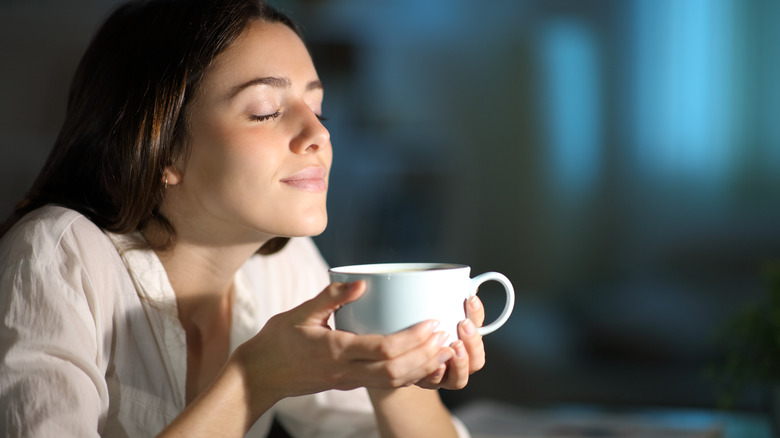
pixel 264 117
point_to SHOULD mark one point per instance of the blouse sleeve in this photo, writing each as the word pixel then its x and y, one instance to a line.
pixel 54 331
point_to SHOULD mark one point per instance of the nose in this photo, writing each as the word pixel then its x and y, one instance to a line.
pixel 312 136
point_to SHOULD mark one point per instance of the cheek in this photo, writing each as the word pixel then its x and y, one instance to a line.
pixel 223 153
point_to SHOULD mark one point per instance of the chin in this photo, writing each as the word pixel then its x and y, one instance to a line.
pixel 316 231
pixel 308 229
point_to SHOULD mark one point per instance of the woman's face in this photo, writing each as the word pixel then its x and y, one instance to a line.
pixel 260 156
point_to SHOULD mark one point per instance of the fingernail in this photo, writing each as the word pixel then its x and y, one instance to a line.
pixel 468 327
pixel 460 349
pixel 441 338
pixel 433 325
pixel 474 303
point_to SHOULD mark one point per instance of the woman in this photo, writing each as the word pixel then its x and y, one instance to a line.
pixel 158 279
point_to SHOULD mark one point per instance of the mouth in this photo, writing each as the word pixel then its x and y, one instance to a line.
pixel 310 179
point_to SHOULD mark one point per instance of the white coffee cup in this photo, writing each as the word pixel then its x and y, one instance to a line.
pixel 400 295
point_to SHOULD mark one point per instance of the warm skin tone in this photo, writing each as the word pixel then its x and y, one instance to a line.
pixel 258 169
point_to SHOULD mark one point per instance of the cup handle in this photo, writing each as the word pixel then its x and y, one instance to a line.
pixel 510 299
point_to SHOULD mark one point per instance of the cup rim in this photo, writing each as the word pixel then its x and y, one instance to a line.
pixel 395 268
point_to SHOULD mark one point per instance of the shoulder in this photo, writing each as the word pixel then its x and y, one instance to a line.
pixel 55 262
pixel 49 230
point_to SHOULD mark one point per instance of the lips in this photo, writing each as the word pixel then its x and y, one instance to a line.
pixel 310 179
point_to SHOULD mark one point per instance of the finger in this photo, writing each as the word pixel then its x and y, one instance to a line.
pixel 412 366
pixel 318 309
pixel 433 380
pixel 378 347
pixel 472 342
pixel 475 311
pixel 457 375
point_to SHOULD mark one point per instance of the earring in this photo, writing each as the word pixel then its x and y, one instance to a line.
pixel 165 183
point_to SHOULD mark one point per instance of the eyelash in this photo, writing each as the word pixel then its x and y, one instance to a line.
pixel 263 118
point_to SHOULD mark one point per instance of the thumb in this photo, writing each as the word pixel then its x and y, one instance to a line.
pixel 318 309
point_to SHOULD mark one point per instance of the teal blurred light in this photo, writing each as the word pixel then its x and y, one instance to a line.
pixel 572 105
pixel 684 90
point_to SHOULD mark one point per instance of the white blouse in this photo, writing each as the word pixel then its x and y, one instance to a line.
pixel 91 344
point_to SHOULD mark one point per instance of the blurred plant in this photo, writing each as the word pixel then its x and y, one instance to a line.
pixel 752 340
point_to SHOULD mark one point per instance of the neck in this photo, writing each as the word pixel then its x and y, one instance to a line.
pixel 202 276
pixel 204 258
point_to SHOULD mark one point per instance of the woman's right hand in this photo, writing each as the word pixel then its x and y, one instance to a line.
pixel 297 352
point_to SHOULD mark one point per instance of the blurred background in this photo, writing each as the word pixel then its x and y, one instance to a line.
pixel 618 160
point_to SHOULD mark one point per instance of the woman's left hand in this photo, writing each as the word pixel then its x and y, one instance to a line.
pixel 469 352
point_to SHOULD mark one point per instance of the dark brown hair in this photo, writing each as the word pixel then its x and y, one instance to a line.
pixel 126 118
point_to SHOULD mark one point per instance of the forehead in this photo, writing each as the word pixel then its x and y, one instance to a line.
pixel 262 49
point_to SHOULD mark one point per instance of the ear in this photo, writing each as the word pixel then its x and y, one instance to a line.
pixel 171 176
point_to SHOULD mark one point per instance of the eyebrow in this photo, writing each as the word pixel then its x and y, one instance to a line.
pixel 272 81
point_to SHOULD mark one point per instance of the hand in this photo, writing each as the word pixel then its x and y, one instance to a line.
pixel 297 353
pixel 469 352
